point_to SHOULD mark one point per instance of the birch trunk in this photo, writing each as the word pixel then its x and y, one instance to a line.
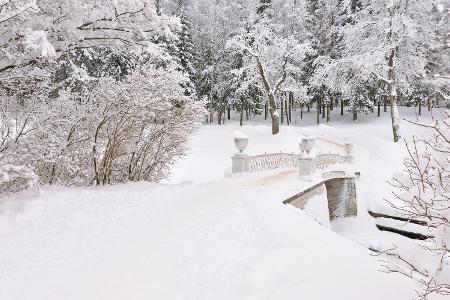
pixel 395 117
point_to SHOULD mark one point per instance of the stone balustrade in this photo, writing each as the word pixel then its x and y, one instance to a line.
pixel 306 162
pixel 265 162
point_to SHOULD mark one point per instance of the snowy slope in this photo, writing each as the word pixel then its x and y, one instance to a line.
pixel 231 239
pixel 214 238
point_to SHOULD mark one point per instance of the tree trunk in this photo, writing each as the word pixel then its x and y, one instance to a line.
pixel 385 103
pixel 229 113
pixel 328 113
pixel 301 112
pixel 288 121
pixel 282 109
pixel 308 107
pixel 318 111
pixel 291 103
pixel 420 107
pixel 355 115
pixel 241 119
pixel 265 111
pixel 272 99
pixel 158 7
pixel 393 97
pixel 379 108
pixel 323 111
pixel 219 116
pixel 342 107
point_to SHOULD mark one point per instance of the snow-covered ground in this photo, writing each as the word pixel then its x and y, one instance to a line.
pixel 376 156
pixel 200 236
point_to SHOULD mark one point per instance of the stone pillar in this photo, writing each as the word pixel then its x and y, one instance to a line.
pixel 348 150
pixel 349 159
pixel 240 163
pixel 306 167
pixel 306 161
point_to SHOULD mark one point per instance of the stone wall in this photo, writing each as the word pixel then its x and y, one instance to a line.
pixel 340 192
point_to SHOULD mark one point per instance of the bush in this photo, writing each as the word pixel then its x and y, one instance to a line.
pixel 15 178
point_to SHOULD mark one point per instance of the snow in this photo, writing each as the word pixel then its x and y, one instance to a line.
pixel 37 42
pixel 240 135
pixel 376 156
pixel 204 236
pixel 317 209
pixel 152 241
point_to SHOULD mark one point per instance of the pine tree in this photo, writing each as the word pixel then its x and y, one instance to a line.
pixel 322 22
pixel 187 52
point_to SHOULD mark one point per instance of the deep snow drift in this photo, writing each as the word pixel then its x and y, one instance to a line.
pixel 226 239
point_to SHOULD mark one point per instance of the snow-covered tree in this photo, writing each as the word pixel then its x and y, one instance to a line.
pixel 62 75
pixel 324 37
pixel 390 39
pixel 274 57
pixel 422 193
pixel 187 51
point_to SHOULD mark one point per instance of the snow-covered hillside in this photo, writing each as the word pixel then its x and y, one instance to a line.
pixel 231 239
pixel 210 238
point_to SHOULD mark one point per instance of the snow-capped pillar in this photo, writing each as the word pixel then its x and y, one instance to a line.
pixel 306 161
pixel 240 161
pixel 348 149
pixel 306 167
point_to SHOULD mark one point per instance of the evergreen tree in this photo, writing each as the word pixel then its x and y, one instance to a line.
pixel 323 19
pixel 187 52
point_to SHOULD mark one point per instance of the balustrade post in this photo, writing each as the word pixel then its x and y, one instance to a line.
pixel 306 167
pixel 240 161
pixel 307 161
pixel 348 149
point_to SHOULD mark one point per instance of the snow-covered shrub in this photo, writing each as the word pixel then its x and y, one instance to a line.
pixel 97 99
pixel 422 193
pixel 16 178
pixel 128 130
pixel 142 124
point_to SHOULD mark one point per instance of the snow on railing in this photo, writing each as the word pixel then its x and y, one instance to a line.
pixel 265 162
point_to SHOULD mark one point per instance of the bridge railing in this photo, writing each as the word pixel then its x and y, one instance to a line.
pixel 324 161
pixel 265 162
pixel 305 162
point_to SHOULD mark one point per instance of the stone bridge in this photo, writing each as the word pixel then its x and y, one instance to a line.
pixel 340 192
pixel 331 175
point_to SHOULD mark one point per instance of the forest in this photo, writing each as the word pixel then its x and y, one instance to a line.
pixel 118 124
pixel 108 91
